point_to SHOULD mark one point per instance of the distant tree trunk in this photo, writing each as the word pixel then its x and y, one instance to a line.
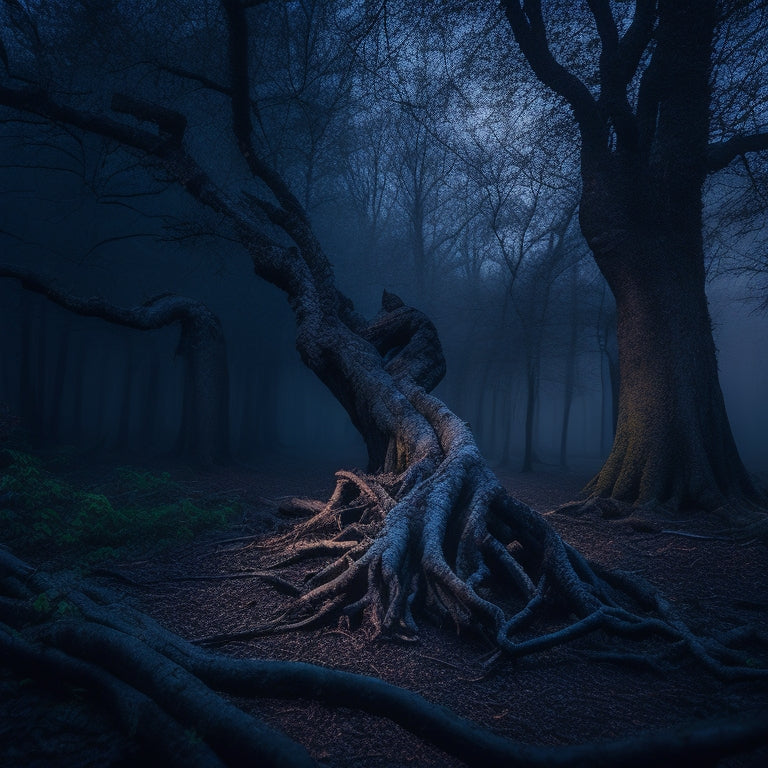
pixel 41 372
pixel 124 427
pixel 570 369
pixel 532 393
pixel 205 420
pixel 149 409
pixel 248 429
pixel 78 379
pixel 204 434
pixel 57 386
pixel 505 424
pixel 29 401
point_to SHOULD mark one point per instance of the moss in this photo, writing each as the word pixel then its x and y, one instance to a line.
pixel 41 509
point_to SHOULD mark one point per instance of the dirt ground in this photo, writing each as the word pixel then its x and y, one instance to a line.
pixel 565 696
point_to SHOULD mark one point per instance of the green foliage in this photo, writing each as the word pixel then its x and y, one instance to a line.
pixel 38 508
pixel 52 605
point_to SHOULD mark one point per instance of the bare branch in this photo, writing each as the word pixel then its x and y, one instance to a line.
pixel 529 29
pixel 156 313
pixel 168 121
pixel 721 153
pixel 39 103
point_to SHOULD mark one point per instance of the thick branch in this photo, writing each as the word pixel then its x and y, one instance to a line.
pixel 613 86
pixel 294 222
pixel 168 121
pixel 39 103
pixel 273 262
pixel 529 29
pixel 721 153
pixel 636 38
pixel 155 313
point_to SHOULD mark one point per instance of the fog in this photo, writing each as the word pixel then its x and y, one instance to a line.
pixel 410 189
pixel 99 387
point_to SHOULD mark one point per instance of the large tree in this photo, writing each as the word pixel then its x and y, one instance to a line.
pixel 644 122
pixel 429 527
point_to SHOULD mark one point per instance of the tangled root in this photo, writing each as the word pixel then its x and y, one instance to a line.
pixel 447 540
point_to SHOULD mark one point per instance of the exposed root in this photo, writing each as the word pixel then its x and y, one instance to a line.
pixel 166 693
pixel 742 519
pixel 456 546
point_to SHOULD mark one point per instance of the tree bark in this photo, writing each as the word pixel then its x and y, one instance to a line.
pixel 532 392
pixel 673 442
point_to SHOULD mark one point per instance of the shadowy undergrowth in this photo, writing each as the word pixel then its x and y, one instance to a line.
pixel 40 509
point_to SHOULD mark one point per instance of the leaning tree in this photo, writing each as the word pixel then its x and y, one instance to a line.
pixel 428 528
pixel 204 431
pixel 643 113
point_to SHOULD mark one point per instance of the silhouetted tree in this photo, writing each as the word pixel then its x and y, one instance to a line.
pixel 204 431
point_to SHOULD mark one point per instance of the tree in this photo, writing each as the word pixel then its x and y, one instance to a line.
pixel 204 431
pixel 428 527
pixel 645 154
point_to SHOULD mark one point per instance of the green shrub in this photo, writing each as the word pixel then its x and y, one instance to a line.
pixel 38 508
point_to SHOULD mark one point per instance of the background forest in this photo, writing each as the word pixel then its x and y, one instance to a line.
pixel 432 165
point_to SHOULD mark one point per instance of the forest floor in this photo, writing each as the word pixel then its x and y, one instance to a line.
pixel 563 696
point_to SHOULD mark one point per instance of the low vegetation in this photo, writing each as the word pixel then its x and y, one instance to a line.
pixel 41 509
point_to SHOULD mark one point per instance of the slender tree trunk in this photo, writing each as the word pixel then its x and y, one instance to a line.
pixel 204 434
pixel 149 408
pixel 41 371
pixel 505 425
pixel 28 395
pixel 124 428
pixel 78 383
pixel 249 430
pixel 59 377
pixel 570 370
pixel 532 387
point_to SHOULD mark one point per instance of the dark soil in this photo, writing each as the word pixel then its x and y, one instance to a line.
pixel 568 695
